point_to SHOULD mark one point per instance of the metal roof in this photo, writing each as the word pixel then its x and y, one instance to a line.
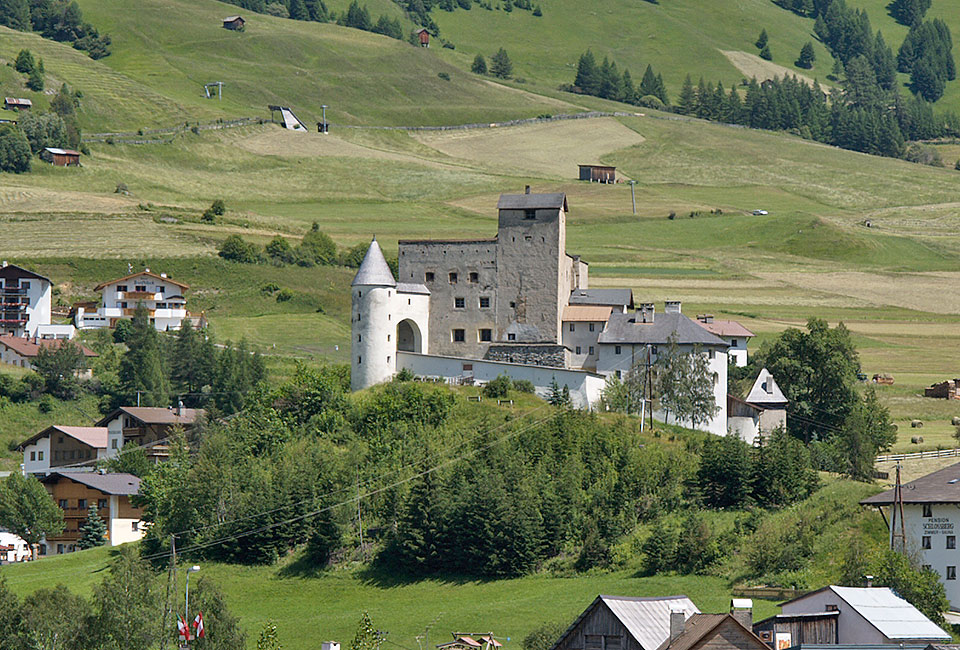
pixel 765 391
pixel 60 151
pixel 374 269
pixel 95 437
pixel 624 328
pixel 942 486
pixel 648 619
pixel 554 201
pixel 122 484
pixel 612 297
pixel 598 313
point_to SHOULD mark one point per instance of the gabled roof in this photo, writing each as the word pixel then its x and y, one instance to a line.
pixel 14 271
pixel 942 486
pixel 18 101
pixel 725 328
pixel 412 287
pixel 374 269
pixel 699 627
pixel 625 328
pixel 120 484
pixel 646 619
pixel 156 276
pixel 95 437
pixel 230 19
pixel 30 348
pixel 891 615
pixel 57 150
pixel 586 313
pixel 154 415
pixel 612 297
pixel 555 201
pixel 765 391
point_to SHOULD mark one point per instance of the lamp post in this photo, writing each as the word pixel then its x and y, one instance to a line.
pixel 633 195
pixel 186 608
pixel 326 129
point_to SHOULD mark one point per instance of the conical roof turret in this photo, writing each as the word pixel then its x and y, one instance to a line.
pixel 374 269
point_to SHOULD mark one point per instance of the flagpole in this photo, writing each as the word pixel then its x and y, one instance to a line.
pixel 186 607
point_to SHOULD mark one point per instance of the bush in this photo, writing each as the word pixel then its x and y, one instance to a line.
pixel 14 150
pixel 523 386
pixel 479 65
pixel 285 295
pixel 218 207
pixel 317 247
pixel 46 404
pixel 497 388
pixel 443 75
pixel 235 249
pixel 651 101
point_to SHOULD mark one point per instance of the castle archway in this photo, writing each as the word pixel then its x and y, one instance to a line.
pixel 408 337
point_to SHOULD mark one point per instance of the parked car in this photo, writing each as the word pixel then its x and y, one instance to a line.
pixel 760 212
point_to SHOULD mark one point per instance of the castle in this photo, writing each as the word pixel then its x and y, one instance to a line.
pixel 517 304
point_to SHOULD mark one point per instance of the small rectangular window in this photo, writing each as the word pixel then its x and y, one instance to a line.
pixel 653 349
pixel 529 214
pixel 951 573
pixel 134 526
pixel 927 508
pixel 951 541
pixel 616 350
pixel 101 503
pixel 40 455
pixel 474 277
pixel 359 360
pixel 573 327
pixel 486 335
pixel 511 336
pixel 591 350
pixel 484 302
pixel 33 455
pixel 458 336
pixel 733 342
pixel 453 278
pixel 121 287
pixel 925 542
pixel 578 350
pixel 459 303
pixel 62 503
pixel 359 338
pixel 82 504
pixel 832 608
pixel 428 276
pixel 591 326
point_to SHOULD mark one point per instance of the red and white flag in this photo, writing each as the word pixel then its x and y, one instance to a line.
pixel 183 629
pixel 198 625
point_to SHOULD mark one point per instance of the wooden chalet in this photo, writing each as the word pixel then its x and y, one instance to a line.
pixel 149 427
pixel 598 173
pixel 424 37
pixel 729 631
pixel 234 23
pixel 61 157
pixel 110 494
pixel 17 104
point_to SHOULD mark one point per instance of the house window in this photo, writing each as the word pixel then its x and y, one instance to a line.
pixel 134 526
pixel 513 305
pixel 121 287
pixel 459 303
pixel 592 326
pixel 653 349
pixel 578 350
pixel 428 276
pixel 39 455
pixel 453 278
pixel 616 350
pixel 927 508
pixel 458 336
pixel 925 542
pixel 101 503
pixel 591 350
pixel 529 214
pixel 140 287
pixel 951 541
pixel 62 503
pixel 73 454
pixel 486 335
pixel 474 277
pixel 82 504
pixel 573 327
pixel 733 342
pixel 60 439
pixel 33 455
pixel 25 285
pixel 833 608
pixel 56 454
pixel 511 336
pixel 484 302
pixel 712 354
pixel 951 573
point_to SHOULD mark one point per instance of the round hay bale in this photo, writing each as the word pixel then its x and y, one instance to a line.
pixel 916 440
pixel 955 421
pixel 916 424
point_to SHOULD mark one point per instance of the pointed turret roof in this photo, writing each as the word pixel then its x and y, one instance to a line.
pixel 374 269
pixel 765 391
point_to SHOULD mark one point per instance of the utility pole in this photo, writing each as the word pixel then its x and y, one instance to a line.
pixel 359 519
pixel 896 518
pixel 633 195
pixel 171 578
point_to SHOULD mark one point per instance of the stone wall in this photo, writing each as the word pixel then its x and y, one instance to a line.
pixel 532 354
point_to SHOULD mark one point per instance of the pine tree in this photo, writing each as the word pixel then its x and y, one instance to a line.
pixel 765 53
pixel 662 91
pixel 93 531
pixel 588 74
pixel 367 636
pixel 807 56
pixel 628 91
pixel 298 10
pixel 24 62
pixel 648 85
pixel 702 103
pixel 687 102
pixel 762 40
pixel 500 64
pixel 479 65
pixel 141 369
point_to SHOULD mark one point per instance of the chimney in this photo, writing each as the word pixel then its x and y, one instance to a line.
pixel 671 306
pixel 179 408
pixel 705 318
pixel 526 189
pixel 677 621
pixel 645 313
pixel 868 582
pixel 742 611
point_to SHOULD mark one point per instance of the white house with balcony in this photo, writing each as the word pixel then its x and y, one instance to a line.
pixel 161 295
pixel 25 305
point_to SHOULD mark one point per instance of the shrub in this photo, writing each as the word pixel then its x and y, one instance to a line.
pixel 497 388
pixel 317 247
pixel 405 374
pixel 235 249
pixel 285 295
pixel 537 11
pixel 443 75
pixel 46 404
pixel 523 386
pixel 218 207
pixel 651 101
pixel 479 65
pixel 14 150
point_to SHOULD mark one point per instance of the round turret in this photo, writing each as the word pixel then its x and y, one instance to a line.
pixel 373 348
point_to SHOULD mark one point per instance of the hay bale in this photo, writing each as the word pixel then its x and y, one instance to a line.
pixel 955 421
pixel 916 440
pixel 916 424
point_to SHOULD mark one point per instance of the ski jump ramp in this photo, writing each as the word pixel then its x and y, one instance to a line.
pixel 290 120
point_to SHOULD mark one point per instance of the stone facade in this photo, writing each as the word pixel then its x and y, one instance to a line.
pixel 530 354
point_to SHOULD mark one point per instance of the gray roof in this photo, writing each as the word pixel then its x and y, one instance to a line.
pixel 121 484
pixel 412 287
pixel 374 269
pixel 532 201
pixel 624 328
pixel 14 271
pixel 765 391
pixel 942 486
pixel 647 619
pixel 612 297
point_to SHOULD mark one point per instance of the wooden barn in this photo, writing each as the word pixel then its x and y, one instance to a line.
pixel 794 629
pixel 624 623
pixel 61 157
pixel 17 104
pixel 235 23
pixel 598 173
pixel 424 37
pixel 715 632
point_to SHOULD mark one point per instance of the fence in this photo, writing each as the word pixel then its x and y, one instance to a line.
pixel 493 125
pixel 767 593
pixel 939 453
pixel 143 136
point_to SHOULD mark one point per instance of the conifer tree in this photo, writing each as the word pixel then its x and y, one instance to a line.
pixel 298 10
pixel 762 40
pixel 627 89
pixel 807 56
pixel 479 65
pixel 648 85
pixel 141 369
pixel 588 75
pixel 93 531
pixel 662 90
pixel 500 64
pixel 687 103
pixel 765 53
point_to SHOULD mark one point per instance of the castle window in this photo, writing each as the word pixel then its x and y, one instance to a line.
pixel 359 294
pixel 388 358
pixel 428 276
pixel 458 336
pixel 359 360
pixel 591 327
pixel 529 214
pixel 511 336
pixel 616 350
pixel 573 327
pixel 591 349
pixel 459 303
pixel 578 350
pixel 358 317
pixel 388 338
pixel 409 302
pixel 453 278
pixel 359 338
pixel 528 238
pixel 486 335
pixel 484 302
pixel 474 277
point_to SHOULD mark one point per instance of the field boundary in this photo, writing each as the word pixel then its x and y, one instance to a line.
pixel 142 136
pixel 493 125
pixel 939 453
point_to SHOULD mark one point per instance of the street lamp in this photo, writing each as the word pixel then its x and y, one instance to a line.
pixel 186 608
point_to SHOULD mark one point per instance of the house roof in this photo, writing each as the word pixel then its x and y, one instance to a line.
pixel 374 269
pixel 154 415
pixel 14 271
pixel 230 19
pixel 586 313
pixel 942 486
pixel 891 615
pixel 95 437
pixel 18 101
pixel 725 328
pixel 555 201
pixel 700 626
pixel 598 166
pixel 765 391
pixel 57 150
pixel 412 287
pixel 624 328
pixel 29 348
pixel 120 484
pixel 137 275
pixel 646 619
pixel 612 297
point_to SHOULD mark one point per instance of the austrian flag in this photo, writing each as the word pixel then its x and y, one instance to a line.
pixel 182 629
pixel 198 625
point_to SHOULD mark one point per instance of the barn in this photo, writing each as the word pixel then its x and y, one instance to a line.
pixel 598 173
pixel 625 623
pixel 235 23
pixel 61 157
pixel 17 104
pixel 424 37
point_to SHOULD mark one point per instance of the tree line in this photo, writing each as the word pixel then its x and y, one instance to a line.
pixel 605 80
pixel 58 20
pixel 316 248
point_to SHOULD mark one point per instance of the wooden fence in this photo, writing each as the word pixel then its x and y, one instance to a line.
pixel 939 453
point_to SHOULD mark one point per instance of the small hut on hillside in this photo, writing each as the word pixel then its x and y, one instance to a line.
pixel 424 37
pixel 61 157
pixel 235 23
pixel 598 173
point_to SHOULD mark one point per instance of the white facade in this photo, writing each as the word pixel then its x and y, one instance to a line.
pixel 581 339
pixel 931 530
pixel 585 387
pixel 48 331
pixel 20 551
pixel 30 290
pixel 737 352
pixel 36 457
pixel 162 297
pixel 123 529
